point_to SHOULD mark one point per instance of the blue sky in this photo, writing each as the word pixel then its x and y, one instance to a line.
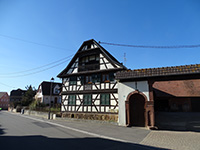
pixel 62 25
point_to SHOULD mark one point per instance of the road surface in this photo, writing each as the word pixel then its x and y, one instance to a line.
pixel 23 132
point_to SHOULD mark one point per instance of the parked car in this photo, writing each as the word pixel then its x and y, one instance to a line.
pixel 0 108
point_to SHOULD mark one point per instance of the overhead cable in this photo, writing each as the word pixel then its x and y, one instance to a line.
pixel 28 74
pixel 27 41
pixel 6 85
pixel 19 72
pixel 152 46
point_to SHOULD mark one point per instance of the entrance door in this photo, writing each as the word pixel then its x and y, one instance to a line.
pixel 137 110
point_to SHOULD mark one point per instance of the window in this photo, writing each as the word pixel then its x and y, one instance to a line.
pixel 111 76
pixel 87 99
pixel 72 100
pixel 105 99
pixel 108 77
pixel 88 63
pixel 105 78
pixel 72 80
pixel 96 78
pixel 82 78
pixel 88 79
pixel 57 91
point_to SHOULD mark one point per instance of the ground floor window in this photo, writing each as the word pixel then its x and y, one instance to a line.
pixel 105 99
pixel 72 100
pixel 87 99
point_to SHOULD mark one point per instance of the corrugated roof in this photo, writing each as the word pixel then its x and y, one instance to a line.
pixel 157 72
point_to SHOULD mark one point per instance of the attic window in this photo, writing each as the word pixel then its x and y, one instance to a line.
pixel 84 47
pixel 93 46
pixel 88 63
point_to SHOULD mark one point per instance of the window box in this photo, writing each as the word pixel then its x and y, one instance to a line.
pixel 106 81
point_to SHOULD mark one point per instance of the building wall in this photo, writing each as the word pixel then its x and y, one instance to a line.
pixel 46 99
pixel 4 101
pixel 95 89
pixel 39 95
pixel 124 89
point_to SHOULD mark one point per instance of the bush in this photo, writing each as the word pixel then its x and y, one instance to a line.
pixel 33 105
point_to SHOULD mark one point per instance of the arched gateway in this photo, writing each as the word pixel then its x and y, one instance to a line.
pixel 136 109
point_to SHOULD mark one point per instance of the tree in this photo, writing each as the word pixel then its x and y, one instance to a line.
pixel 28 97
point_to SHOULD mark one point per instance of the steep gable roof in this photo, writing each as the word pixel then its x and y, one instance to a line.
pixel 46 86
pixel 88 46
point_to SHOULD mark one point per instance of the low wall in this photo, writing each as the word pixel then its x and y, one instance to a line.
pixel 92 116
pixel 40 114
pixel 180 121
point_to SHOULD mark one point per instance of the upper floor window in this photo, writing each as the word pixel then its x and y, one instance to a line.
pixel 96 78
pixel 88 63
pixel 88 79
pixel 108 77
pixel 72 80
pixel 57 91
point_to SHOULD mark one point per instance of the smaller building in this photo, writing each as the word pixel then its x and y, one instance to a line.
pixel 49 93
pixel 168 89
pixel 4 100
pixel 16 95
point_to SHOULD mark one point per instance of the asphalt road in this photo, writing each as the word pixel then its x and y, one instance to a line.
pixel 22 132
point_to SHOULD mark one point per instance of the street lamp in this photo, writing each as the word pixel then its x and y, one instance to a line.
pixel 49 114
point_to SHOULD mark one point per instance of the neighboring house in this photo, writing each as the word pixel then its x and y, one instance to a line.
pixel 168 89
pixel 4 100
pixel 89 84
pixel 16 95
pixel 45 95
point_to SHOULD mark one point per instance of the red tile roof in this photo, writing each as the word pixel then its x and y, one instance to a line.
pixel 157 72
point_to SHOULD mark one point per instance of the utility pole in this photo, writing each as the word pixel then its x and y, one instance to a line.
pixel 49 114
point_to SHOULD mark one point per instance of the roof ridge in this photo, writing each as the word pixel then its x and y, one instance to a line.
pixel 164 67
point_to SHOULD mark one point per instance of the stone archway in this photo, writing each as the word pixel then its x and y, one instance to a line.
pixel 136 109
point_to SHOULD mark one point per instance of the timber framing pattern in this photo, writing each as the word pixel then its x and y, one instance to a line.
pixel 88 82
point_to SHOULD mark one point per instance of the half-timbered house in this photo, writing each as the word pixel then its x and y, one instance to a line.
pixel 89 84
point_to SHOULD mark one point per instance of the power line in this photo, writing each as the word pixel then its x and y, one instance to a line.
pixel 151 46
pixel 27 41
pixel 6 85
pixel 19 72
pixel 13 76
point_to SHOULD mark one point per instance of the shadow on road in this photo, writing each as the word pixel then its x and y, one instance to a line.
pixel 41 142
pixel 1 130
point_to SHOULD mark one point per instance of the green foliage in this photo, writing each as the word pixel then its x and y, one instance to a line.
pixel 15 104
pixel 28 97
pixel 33 105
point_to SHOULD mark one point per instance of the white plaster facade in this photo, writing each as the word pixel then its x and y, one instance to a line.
pixel 124 89
pixel 55 98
